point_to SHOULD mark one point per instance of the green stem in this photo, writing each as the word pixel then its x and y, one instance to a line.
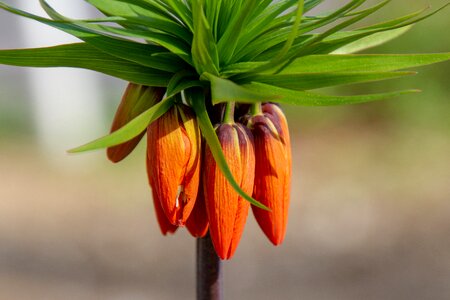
pixel 228 116
pixel 256 109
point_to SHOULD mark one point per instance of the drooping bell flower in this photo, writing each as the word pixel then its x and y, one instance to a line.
pixel 197 224
pixel 273 170
pixel 136 99
pixel 227 211
pixel 173 150
pixel 164 224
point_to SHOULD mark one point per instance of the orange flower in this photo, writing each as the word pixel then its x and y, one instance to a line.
pixel 227 211
pixel 136 99
pixel 173 149
pixel 273 170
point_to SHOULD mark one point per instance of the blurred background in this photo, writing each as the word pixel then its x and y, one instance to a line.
pixel 370 207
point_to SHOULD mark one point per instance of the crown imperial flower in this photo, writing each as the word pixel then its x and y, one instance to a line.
pixel 185 59
pixel 173 145
pixel 227 211
pixel 136 99
pixel 273 170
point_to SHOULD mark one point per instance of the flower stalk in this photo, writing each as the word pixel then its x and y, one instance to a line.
pixel 209 271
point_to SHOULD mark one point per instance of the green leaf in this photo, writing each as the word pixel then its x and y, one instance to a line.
pixel 331 44
pixel 198 99
pixel 372 40
pixel 182 12
pixel 263 22
pixel 230 38
pixel 309 46
pixel 85 56
pixel 313 99
pixel 361 62
pixel 147 6
pixel 135 16
pixel 138 124
pixel 130 130
pixel 280 56
pixel 309 81
pixel 139 53
pixel 204 51
pixel 224 90
pixel 165 40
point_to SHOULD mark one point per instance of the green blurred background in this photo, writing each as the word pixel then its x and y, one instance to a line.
pixel 370 211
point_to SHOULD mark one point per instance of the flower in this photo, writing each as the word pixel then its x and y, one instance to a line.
pixel 136 99
pixel 273 170
pixel 227 211
pixel 173 150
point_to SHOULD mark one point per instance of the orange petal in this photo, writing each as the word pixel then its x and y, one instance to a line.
pixel 227 211
pixel 197 223
pixel 136 99
pixel 247 151
pixel 191 180
pixel 164 224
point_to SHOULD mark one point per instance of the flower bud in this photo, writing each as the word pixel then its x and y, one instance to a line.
pixel 227 211
pixel 136 99
pixel 173 149
pixel 273 170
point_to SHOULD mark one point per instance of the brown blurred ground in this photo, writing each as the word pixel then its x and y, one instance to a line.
pixel 370 219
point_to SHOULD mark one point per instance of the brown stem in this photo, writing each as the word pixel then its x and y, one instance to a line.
pixel 209 271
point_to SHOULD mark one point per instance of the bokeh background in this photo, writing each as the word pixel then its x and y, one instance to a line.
pixel 370 211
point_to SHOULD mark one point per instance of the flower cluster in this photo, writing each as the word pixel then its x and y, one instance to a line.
pixel 189 189
pixel 187 60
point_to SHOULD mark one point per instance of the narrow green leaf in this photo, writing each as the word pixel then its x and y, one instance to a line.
pixel 331 44
pixel 310 81
pixel 204 51
pixel 230 38
pixel 262 23
pixel 136 17
pixel 309 46
pixel 125 49
pixel 224 90
pixel 138 124
pixel 149 6
pixel 85 56
pixel 198 99
pixel 242 67
pixel 114 8
pixel 182 12
pixel 309 5
pixel 165 40
pixel 313 99
pixel 130 130
pixel 362 62
pixel 280 56
pixel 371 41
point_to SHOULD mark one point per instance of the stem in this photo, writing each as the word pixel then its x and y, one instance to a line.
pixel 209 271
pixel 256 109
pixel 228 116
